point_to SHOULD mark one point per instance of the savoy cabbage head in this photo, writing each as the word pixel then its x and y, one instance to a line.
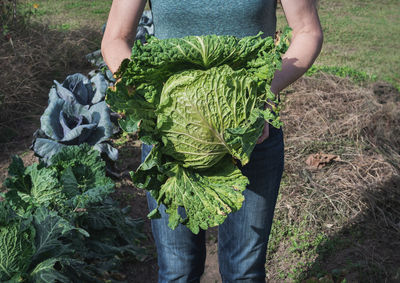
pixel 33 246
pixel 201 101
pixel 59 224
pixel 75 179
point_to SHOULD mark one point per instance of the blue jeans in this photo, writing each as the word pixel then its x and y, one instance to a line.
pixel 242 238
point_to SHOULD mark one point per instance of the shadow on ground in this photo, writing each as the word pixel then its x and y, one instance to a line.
pixel 367 250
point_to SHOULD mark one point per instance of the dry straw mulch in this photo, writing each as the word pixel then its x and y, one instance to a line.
pixel 330 115
pixel 30 59
pixel 360 191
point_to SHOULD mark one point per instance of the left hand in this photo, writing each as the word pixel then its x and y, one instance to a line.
pixel 265 133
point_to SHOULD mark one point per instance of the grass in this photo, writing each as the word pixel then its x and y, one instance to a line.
pixel 71 14
pixel 362 35
pixel 301 244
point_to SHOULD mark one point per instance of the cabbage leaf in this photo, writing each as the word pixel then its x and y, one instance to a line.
pixel 16 248
pixel 77 88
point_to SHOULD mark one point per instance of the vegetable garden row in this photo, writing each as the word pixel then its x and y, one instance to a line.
pixel 58 222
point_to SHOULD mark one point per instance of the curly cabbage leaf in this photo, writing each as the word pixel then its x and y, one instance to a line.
pixel 16 249
pixel 201 101
pixel 208 196
pixel 76 179
pixel 32 186
pixel 45 187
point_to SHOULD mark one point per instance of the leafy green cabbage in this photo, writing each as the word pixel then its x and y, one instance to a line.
pixel 76 179
pixel 16 248
pixel 56 220
pixel 32 245
pixel 201 101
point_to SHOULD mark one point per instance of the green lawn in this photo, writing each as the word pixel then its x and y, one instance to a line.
pixel 362 34
pixel 70 14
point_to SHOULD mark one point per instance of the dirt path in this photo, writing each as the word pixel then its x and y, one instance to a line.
pixel 211 272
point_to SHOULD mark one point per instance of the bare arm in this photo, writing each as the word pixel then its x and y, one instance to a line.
pixel 120 31
pixel 304 48
pixel 306 42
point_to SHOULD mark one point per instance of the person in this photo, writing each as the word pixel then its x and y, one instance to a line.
pixel 243 237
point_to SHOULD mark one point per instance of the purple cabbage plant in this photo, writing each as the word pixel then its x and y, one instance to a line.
pixel 77 88
pixel 76 114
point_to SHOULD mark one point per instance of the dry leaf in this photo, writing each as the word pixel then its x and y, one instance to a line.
pixel 319 160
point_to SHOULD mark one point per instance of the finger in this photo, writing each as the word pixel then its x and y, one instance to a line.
pixel 265 134
pixel 262 138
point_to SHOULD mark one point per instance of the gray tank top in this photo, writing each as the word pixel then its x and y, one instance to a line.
pixel 178 18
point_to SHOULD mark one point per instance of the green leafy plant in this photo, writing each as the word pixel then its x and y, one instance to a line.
pixel 32 245
pixel 201 101
pixel 59 224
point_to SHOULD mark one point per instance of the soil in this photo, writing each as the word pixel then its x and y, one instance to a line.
pixel 385 92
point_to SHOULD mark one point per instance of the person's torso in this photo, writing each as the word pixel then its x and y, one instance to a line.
pixel 178 18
